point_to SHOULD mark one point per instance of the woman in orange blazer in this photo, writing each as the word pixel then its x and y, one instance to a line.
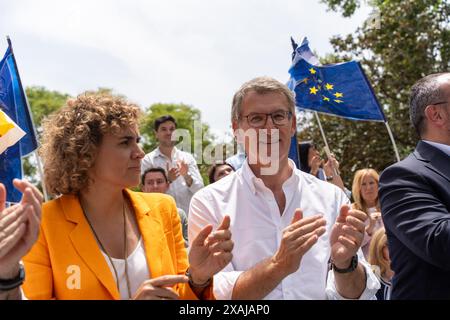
pixel 99 240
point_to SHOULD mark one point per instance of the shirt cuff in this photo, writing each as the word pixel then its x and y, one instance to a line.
pixel 224 284
pixel 372 285
pixel 195 186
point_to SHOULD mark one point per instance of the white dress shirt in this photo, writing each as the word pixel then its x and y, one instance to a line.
pixel 178 188
pixel 257 226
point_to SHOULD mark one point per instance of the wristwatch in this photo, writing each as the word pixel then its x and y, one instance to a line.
pixel 9 284
pixel 351 268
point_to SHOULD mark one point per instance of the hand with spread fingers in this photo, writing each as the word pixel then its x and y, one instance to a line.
pixel 160 288
pixel 19 227
pixel 347 235
pixel 172 173
pixel 297 239
pixel 210 252
pixel 183 168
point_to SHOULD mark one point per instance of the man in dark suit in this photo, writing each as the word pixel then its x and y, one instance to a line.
pixel 415 198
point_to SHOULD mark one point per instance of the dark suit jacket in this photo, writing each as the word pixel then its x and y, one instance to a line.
pixel 415 205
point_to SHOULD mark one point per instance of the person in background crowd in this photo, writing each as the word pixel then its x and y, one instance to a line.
pixel 365 195
pixel 236 161
pixel 155 180
pixel 287 224
pixel 218 171
pixel 182 171
pixel 19 230
pixel 312 163
pixel 100 240
pixel 415 198
pixel 379 259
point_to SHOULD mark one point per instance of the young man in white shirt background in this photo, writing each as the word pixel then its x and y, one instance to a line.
pixel 182 171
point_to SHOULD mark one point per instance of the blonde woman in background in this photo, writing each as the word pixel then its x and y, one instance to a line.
pixel 365 195
pixel 380 261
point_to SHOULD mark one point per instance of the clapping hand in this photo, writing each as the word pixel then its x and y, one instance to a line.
pixel 183 168
pixel 210 251
pixel 297 239
pixel 172 173
pixel 347 235
pixel 19 226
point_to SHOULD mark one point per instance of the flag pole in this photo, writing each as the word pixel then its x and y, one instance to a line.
pixel 392 140
pixel 24 96
pixel 324 139
pixel 381 111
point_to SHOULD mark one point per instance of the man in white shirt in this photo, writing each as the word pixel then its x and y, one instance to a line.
pixel 182 171
pixel 286 224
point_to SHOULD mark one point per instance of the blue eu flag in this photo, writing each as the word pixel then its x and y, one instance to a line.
pixel 13 103
pixel 340 89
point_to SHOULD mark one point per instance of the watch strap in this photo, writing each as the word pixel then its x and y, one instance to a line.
pixel 195 285
pixel 9 284
pixel 351 268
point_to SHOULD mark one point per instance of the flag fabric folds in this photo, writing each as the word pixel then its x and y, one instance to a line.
pixel 10 133
pixel 340 89
pixel 13 103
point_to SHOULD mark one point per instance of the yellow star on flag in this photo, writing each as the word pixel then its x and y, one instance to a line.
pixel 338 101
pixel 326 98
pixel 312 71
pixel 313 90
pixel 338 95
pixel 329 86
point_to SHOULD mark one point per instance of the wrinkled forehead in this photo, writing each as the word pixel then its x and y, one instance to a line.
pixel 126 130
pixel 264 102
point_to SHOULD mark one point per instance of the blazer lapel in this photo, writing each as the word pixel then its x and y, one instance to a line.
pixel 152 232
pixel 86 245
pixel 435 159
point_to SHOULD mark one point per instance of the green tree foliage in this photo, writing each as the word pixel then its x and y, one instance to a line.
pixel 186 116
pixel 402 41
pixel 42 102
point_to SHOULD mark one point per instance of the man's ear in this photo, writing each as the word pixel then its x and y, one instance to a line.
pixel 294 125
pixel 234 125
pixel 435 114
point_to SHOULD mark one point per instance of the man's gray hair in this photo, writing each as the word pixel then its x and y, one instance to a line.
pixel 424 92
pixel 261 85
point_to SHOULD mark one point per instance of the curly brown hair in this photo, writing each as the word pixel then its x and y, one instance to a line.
pixel 72 135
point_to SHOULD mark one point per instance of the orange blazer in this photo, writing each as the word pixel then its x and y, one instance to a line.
pixel 66 262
